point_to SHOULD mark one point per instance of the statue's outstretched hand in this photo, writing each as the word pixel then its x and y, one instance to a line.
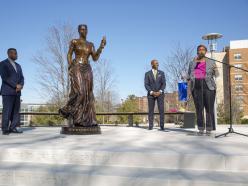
pixel 103 42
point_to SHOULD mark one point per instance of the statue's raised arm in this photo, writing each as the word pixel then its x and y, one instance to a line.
pixel 96 54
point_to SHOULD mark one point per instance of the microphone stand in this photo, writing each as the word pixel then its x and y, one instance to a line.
pixel 230 130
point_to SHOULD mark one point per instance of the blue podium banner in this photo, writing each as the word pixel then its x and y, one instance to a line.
pixel 182 91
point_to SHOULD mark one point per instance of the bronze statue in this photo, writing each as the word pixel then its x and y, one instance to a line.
pixel 80 106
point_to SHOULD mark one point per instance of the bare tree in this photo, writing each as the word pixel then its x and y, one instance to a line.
pixel 104 79
pixel 105 85
pixel 52 69
pixel 177 65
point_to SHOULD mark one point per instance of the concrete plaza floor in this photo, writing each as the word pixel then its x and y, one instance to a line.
pixel 124 156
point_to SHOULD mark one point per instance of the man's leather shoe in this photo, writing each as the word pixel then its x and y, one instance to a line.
pixel 16 131
pixel 5 132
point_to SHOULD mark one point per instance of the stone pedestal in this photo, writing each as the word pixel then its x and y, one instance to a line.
pixel 80 130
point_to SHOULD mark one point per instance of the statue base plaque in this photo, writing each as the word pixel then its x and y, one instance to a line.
pixel 80 130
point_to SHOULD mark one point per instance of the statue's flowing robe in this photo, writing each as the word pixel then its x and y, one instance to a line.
pixel 80 106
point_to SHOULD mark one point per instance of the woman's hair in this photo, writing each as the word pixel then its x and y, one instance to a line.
pixel 82 25
pixel 199 46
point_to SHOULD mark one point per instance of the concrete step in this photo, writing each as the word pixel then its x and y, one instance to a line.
pixel 122 156
pixel 166 160
pixel 30 174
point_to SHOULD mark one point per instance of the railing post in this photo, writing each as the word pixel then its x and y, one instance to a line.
pixel 130 120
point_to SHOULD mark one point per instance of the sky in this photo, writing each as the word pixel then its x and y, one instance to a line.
pixel 137 31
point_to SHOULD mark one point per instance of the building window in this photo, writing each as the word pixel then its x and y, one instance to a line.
pixel 239 88
pixel 237 57
pixel 238 77
pixel 238 66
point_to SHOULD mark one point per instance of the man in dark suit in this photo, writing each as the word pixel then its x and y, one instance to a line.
pixel 155 85
pixel 12 84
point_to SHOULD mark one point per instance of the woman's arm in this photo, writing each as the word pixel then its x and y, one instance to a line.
pixel 189 71
pixel 96 54
pixel 70 52
pixel 216 71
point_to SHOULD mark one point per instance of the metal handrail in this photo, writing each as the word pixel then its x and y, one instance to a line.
pixel 130 115
pixel 103 113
